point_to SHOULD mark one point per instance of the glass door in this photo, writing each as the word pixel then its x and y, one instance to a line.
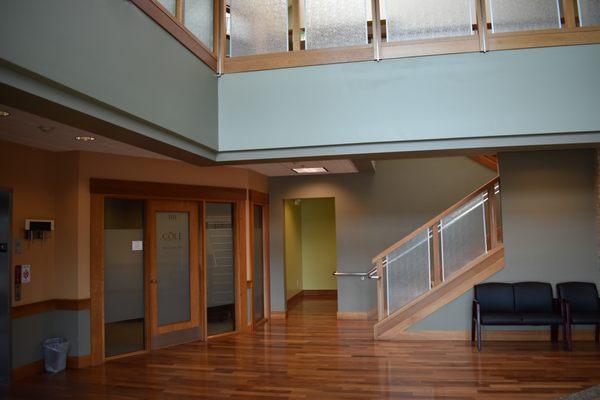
pixel 174 272
pixel 258 265
pixel 124 305
pixel 220 268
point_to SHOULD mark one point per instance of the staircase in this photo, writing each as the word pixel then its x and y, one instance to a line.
pixel 439 262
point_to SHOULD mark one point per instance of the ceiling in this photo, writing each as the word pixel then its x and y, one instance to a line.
pixel 42 133
pixel 285 168
pixel 35 131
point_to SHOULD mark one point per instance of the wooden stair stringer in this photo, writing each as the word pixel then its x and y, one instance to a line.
pixel 392 327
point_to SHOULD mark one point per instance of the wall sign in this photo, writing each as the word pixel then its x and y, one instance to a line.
pixel 25 273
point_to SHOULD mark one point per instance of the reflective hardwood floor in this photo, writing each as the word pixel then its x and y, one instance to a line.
pixel 314 356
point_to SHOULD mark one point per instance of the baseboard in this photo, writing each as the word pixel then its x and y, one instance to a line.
pixel 295 298
pixel 493 335
pixel 37 367
pixel 27 370
pixel 357 315
pixel 78 362
pixel 278 314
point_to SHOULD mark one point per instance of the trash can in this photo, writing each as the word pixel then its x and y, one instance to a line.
pixel 55 354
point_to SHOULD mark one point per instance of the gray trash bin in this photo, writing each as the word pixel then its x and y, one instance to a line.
pixel 55 354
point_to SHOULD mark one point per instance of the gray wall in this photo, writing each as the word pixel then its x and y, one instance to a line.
pixel 526 92
pixel 111 51
pixel 30 332
pixel 549 214
pixel 372 212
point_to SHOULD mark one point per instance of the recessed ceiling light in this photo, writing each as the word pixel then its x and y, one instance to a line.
pixel 310 170
pixel 85 138
pixel 4 113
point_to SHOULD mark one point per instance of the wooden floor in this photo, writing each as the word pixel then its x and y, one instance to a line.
pixel 314 356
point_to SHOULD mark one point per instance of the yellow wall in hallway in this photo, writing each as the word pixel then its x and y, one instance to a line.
pixel 293 249
pixel 319 258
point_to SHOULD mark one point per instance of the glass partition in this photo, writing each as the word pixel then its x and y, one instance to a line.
pixel 408 271
pixel 198 18
pixel 428 19
pixel 336 23
pixel 589 12
pixel 220 268
pixel 463 235
pixel 124 309
pixel 173 267
pixel 258 27
pixel 523 15
pixel 259 266
pixel 170 5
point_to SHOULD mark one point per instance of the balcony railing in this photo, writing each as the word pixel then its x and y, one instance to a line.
pixel 249 35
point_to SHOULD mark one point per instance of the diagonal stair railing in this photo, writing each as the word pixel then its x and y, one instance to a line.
pixel 440 251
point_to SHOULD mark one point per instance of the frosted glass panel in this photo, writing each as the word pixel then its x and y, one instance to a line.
pixel 169 5
pixel 173 267
pixel 427 19
pixel 258 27
pixel 220 268
pixel 589 12
pixel 335 23
pixel 463 236
pixel 523 15
pixel 259 294
pixel 407 272
pixel 124 311
pixel 198 17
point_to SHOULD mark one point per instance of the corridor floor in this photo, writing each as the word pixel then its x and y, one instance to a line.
pixel 314 356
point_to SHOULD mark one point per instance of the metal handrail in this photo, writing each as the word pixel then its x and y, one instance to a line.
pixel 371 274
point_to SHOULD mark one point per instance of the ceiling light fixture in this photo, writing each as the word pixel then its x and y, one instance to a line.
pixel 310 170
pixel 85 138
pixel 4 113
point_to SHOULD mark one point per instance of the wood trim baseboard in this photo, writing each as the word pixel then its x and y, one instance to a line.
pixel 579 335
pixel 49 305
pixel 357 315
pixel 158 190
pixel 37 367
pixel 278 315
pixel 27 370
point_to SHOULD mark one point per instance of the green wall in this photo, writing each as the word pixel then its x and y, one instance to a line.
pixel 293 248
pixel 319 257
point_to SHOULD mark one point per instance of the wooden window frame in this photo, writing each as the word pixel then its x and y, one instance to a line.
pixel 100 189
pixel 260 199
pixel 174 25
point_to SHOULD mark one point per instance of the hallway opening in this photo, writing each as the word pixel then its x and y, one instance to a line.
pixel 310 249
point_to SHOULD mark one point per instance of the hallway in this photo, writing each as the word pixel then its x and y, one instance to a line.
pixel 314 356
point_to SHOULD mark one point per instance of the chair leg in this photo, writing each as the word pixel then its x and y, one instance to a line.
pixel 567 334
pixel 478 335
pixel 554 333
pixel 473 330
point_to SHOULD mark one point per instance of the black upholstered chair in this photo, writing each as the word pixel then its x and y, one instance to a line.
pixel 525 303
pixel 580 304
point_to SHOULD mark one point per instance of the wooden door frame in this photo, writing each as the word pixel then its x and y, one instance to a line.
pixel 260 199
pixel 100 189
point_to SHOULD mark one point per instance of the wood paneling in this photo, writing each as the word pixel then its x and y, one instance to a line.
pixel 312 355
pixel 155 190
pixel 97 278
pixel 175 28
pixel 50 305
pixel 259 198
pixel 370 315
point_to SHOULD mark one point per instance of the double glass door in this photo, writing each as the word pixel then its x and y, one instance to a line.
pixel 159 289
